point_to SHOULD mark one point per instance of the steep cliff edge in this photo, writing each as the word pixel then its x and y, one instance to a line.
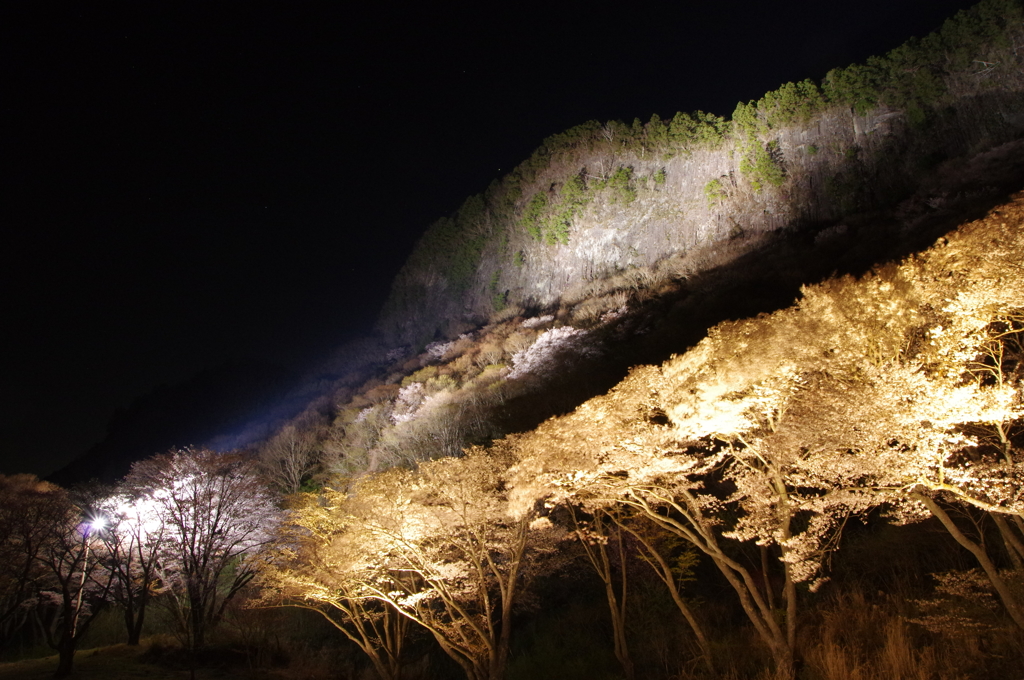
pixel 656 199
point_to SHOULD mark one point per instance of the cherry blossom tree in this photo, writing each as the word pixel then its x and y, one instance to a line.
pixel 617 450
pixel 440 546
pixel 134 539
pixel 216 516
pixel 456 556
pixel 555 345
pixel 320 564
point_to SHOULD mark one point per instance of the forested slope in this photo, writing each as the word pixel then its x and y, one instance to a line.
pixel 603 198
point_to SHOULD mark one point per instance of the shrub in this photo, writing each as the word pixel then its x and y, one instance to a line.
pixel 714 192
pixel 422 375
pixel 518 341
pixel 622 184
pixel 763 164
pixel 533 215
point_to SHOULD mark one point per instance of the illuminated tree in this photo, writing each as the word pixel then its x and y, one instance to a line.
pixel 320 565
pixel 902 390
pixel 77 584
pixel 950 443
pixel 439 546
pixel 216 516
pixel 616 450
pixel 134 539
pixel 457 557
pixel 946 409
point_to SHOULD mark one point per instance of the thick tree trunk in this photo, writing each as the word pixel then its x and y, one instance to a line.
pixel 133 621
pixel 65 656
pixel 755 608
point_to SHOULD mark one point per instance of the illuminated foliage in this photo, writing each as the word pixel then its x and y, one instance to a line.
pixel 438 546
pixel 321 565
pixel 216 516
pixel 900 391
pixel 134 539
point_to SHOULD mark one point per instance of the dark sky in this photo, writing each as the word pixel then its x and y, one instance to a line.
pixel 187 184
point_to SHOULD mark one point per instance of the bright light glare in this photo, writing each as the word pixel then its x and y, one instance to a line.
pixel 97 523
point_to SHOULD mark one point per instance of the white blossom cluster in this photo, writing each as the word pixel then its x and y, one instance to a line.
pixel 408 402
pixel 538 358
pixel 613 314
pixel 537 321
pixel 436 350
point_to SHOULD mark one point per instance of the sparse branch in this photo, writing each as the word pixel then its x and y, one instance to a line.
pixel 1013 608
pixel 654 557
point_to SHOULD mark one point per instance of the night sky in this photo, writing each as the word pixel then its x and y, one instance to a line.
pixel 190 184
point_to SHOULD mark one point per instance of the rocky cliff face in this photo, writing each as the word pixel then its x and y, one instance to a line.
pixel 656 200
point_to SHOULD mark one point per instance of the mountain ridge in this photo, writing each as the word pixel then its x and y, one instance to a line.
pixel 601 198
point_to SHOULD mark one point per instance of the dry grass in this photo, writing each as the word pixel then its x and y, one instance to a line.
pixel 519 341
pixel 590 311
pixel 508 314
pixel 859 640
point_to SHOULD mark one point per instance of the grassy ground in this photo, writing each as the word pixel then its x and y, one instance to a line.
pixel 118 662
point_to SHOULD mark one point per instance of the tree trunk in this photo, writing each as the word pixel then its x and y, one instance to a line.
pixel 789 591
pixel 133 620
pixel 599 560
pixel 701 535
pixel 768 591
pixel 1014 547
pixel 664 571
pixel 617 608
pixel 65 656
pixel 1009 602
pixel 755 608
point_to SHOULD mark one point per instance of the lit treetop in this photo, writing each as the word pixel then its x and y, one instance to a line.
pixel 217 515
